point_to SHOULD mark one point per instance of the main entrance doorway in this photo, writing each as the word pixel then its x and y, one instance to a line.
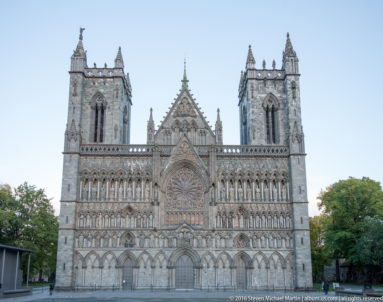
pixel 241 273
pixel 127 274
pixel 184 272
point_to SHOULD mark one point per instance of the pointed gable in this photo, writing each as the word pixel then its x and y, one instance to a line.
pixel 184 150
pixel 184 117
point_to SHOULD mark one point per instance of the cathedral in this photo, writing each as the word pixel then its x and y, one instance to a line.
pixel 184 210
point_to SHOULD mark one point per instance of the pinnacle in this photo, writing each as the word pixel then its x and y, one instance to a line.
pixel 118 61
pixel 289 50
pixel 250 62
pixel 218 116
pixel 185 79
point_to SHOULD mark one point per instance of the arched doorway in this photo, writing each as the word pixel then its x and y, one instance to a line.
pixel 241 273
pixel 184 273
pixel 127 274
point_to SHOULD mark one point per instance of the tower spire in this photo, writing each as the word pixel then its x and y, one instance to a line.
pixel 218 129
pixel 78 59
pixel 289 50
pixel 150 129
pixel 118 61
pixel 185 79
pixel 250 62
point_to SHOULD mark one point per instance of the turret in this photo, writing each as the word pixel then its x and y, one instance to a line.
pixel 78 59
pixel 218 129
pixel 290 59
pixel 118 61
pixel 150 129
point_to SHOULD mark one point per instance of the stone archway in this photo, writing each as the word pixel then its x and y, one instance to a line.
pixel 241 273
pixel 127 274
pixel 184 273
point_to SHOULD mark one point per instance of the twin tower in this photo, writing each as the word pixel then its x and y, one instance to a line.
pixel 184 210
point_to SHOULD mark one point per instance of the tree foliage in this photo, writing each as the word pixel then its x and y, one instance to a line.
pixel 319 255
pixel 351 211
pixel 27 220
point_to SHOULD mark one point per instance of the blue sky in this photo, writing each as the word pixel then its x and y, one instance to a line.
pixel 339 44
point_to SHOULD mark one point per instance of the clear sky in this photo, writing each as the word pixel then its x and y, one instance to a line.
pixel 339 45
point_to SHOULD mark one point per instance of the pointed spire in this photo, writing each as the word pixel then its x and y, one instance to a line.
pixel 185 79
pixel 250 62
pixel 289 50
pixel 78 59
pixel 118 61
pixel 151 115
pixel 79 52
pixel 273 64
pixel 218 129
pixel 264 64
pixel 150 129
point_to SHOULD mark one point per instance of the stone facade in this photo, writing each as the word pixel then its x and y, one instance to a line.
pixel 184 210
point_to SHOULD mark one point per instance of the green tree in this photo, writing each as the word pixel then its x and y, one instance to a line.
pixel 319 255
pixel 345 205
pixel 27 220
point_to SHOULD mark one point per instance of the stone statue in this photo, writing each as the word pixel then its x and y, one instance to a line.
pixel 147 192
pixel 231 193
pixel 85 194
pixel 284 192
pixel 129 193
pixel 121 191
pixel 103 191
pixel 275 193
pixel 222 193
pixel 94 191
pixel 257 193
pixel 240 194
pixel 248 193
pixel 138 192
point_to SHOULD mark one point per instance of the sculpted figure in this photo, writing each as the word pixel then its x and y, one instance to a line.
pixel 138 192
pixel 94 190
pixel 103 191
pixel 231 193
pixel 85 194
pixel 275 193
pixel 240 193
pixel 222 193
pixel 129 192
pixel 147 192
pixel 121 191
pixel 257 193
pixel 248 193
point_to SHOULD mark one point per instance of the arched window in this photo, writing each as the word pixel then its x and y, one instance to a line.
pixel 271 105
pixel 99 118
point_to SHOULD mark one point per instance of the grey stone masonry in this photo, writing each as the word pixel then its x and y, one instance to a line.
pixel 184 210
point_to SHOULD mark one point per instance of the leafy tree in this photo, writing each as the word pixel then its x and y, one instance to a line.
pixel 345 205
pixel 27 220
pixel 319 255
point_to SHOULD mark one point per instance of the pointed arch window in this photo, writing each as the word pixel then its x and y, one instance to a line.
pixel 99 118
pixel 271 119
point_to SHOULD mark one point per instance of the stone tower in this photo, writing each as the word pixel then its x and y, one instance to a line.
pixel 270 114
pixel 98 112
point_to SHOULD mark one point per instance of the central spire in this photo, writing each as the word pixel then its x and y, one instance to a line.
pixel 185 78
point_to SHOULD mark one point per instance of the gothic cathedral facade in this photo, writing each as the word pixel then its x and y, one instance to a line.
pixel 184 210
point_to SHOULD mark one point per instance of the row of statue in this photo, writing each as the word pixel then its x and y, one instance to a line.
pixel 264 191
pixel 119 191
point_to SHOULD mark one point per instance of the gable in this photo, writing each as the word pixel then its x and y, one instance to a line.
pixel 184 117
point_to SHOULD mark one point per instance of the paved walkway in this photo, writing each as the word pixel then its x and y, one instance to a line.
pixel 186 296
